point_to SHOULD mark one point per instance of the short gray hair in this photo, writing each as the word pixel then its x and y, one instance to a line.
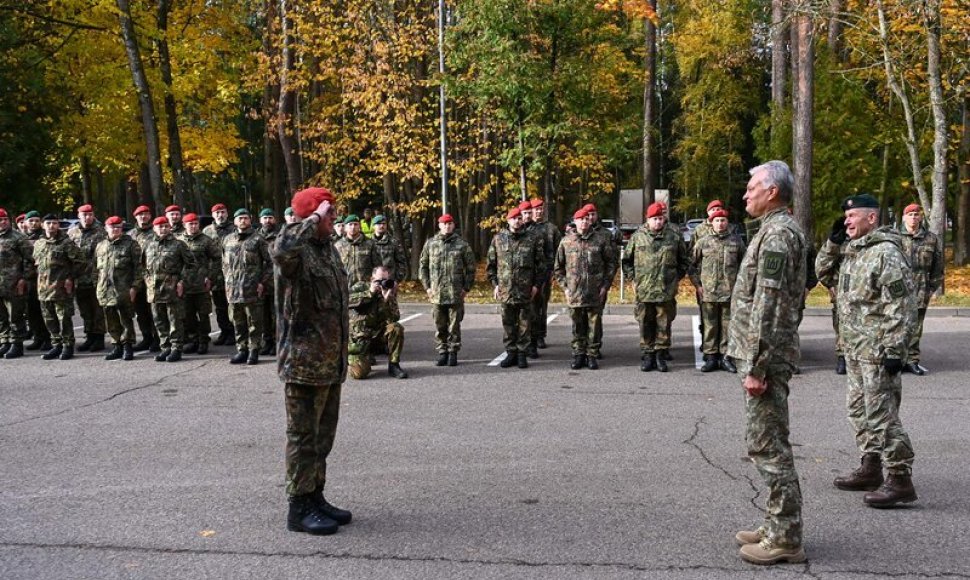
pixel 778 174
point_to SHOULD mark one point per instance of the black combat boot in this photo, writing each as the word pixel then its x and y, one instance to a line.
pixel 509 360
pixel 591 363
pixel 728 365
pixel 523 360
pixel 341 516
pixel 16 351
pixel 67 353
pixel 268 348
pixel 579 362
pixel 304 516
pixel 896 489
pixel 154 346
pixel 162 355
pixel 648 362
pixel 115 353
pixel 840 366
pixel 253 357
pixel 97 345
pixel 442 359
pixel 662 361
pixel 142 344
pixel 54 352
pixel 532 351
pixel 541 342
pixel 191 348
pixel 35 344
pixel 127 353
pixel 240 357
pixel 203 348
pixel 4 348
pixel 175 355
pixel 867 477
pixel 394 369
pixel 914 368
pixel 453 358
pixel 710 363
pixel 86 345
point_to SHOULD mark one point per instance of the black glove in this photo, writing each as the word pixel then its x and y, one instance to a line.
pixel 893 366
pixel 838 235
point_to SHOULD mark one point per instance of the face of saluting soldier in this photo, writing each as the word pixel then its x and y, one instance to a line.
pixel 860 221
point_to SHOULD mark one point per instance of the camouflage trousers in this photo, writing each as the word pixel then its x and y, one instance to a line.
pixel 873 403
pixel 247 319
pixel 389 339
pixel 447 322
pixel 269 318
pixel 584 330
pixel 715 319
pixel 198 307
pixel 169 322
pixel 915 338
pixel 13 319
pixel 91 312
pixel 312 412
pixel 35 315
pixel 58 316
pixel 766 435
pixel 516 320
pixel 540 311
pixel 143 312
pixel 221 305
pixel 835 326
pixel 655 319
pixel 120 322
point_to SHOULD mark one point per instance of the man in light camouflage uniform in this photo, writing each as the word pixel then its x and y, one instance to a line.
pixel 16 263
pixel 357 251
pixel 269 229
pixel 35 316
pixel 197 284
pixel 925 253
pixel 120 274
pixel 221 227
pixel 167 261
pixel 763 340
pixel 585 264
pixel 374 325
pixel 877 311
pixel 248 272
pixel 551 237
pixel 312 360
pixel 447 273
pixel 87 234
pixel 391 252
pixel 59 263
pixel 516 266
pixel 828 262
pixel 142 233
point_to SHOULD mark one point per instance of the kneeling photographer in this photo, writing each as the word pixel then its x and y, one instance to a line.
pixel 374 326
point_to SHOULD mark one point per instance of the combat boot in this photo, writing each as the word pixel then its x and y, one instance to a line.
pixel 175 355
pixel 16 351
pixel 240 357
pixel 897 489
pixel 190 348
pixel 341 516
pixel 592 364
pixel 710 363
pixel 203 348
pixel 127 353
pixel 914 368
pixel 648 362
pixel 579 361
pixel 728 365
pixel 541 342
pixel 509 360
pixel 667 355
pixel 453 358
pixel 47 345
pixel 764 554
pixel 115 353
pixel 304 516
pixel 162 355
pixel 532 351
pixel 662 361
pixel 154 346
pixel 866 477
pixel 745 537
pixel 395 370
pixel 840 366
pixel 4 348
pixel 442 359
pixel 141 345
pixel 35 344
pixel 523 360
pixel 54 352
pixel 67 353
pixel 86 345
pixel 97 344
pixel 253 357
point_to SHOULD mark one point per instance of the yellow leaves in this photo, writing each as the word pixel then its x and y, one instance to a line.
pixel 207 533
pixel 633 8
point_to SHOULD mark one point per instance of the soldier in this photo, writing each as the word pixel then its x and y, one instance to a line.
pixel 338 230
pixel 374 325
pixel 16 263
pixel 197 284
pixel 516 266
pixel 617 238
pixel 357 252
pixel 173 214
pixel 656 259
pixel 248 272
pixel 87 234
pixel 269 230
pixel 699 232
pixel 714 269
pixel 142 233
pixel 290 217
pixel 59 263
pixel 35 316
pixel 313 333
pixel 550 233
pixel 828 262
pixel 877 311
pixel 221 227
pixel 925 253
pixel 392 254
pixel 22 226
pixel 584 267
pixel 120 274
pixel 447 274
pixel 167 261
pixel 763 340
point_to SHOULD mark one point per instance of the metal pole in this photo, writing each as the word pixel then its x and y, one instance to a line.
pixel 441 99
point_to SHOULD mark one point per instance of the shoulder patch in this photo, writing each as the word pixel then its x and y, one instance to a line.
pixel 897 289
pixel 772 265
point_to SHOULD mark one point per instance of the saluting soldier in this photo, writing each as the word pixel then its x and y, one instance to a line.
pixel 197 284
pixel 269 229
pixel 357 251
pixel 167 261
pixel 120 275
pixel 248 272
pixel 87 234
pixel 35 316
pixel 221 227
pixel 828 263
pixel 392 254
pixel 552 236
pixel 59 263
pixel 16 263
pixel 925 253
pixel 447 274
pixel 142 233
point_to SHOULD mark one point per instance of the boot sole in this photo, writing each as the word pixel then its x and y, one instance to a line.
pixel 795 558
pixel 857 488
pixel 324 532
pixel 908 499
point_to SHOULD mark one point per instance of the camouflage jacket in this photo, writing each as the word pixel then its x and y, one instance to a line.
pixel 208 262
pixel 447 268
pixel 551 236
pixel 369 312
pixel 88 239
pixel 142 236
pixel 656 261
pixel 715 260
pixel 166 262
pixel 923 250
pixel 359 257
pixel 768 296
pixel 119 270
pixel 58 259
pixel 827 264
pixel 516 263
pixel 700 232
pixel 877 299
pixel 32 239
pixel 584 265
pixel 392 256
pixel 269 234
pixel 16 261
pixel 218 233
pixel 246 265
pixel 312 297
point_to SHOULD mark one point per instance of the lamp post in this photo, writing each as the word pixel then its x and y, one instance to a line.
pixel 441 100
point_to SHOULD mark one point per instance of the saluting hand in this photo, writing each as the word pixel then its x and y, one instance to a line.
pixel 755 386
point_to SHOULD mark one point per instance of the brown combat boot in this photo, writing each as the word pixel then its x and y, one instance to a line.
pixel 897 489
pixel 745 537
pixel 867 477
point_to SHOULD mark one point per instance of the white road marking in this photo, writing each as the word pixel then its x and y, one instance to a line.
pixel 412 317
pixel 495 362
pixel 698 340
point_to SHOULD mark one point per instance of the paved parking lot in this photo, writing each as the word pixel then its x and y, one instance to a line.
pixel 155 470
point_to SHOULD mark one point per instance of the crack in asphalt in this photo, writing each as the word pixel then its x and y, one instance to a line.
pixel 105 400
pixel 692 441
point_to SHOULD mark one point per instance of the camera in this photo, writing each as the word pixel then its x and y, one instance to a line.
pixel 386 284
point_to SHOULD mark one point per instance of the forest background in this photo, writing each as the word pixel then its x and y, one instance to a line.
pixel 124 102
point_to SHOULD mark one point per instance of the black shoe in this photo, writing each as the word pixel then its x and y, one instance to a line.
pixel 86 345
pixel 221 339
pixel 728 365
pixel 341 516
pixel 239 358
pixel 395 370
pixel 579 361
pixel 53 353
pixel 267 349
pixel 203 348
pixel 154 347
pixel 115 353
pixel 253 357
pixel 162 356
pixel 662 361
pixel 127 353
pixel 442 359
pixel 840 366
pixel 47 345
pixel 541 342
pixel 305 516
pixel 16 351
pixel 175 355
pixel 453 358
pixel 141 345
pixel 509 360
pixel 648 362
pixel 191 348
pixel 710 363
pixel 592 364
pixel 532 351
pixel 36 344
pixel 914 368
pixel 667 355
pixel 97 345
pixel 523 360
pixel 4 348
pixel 67 353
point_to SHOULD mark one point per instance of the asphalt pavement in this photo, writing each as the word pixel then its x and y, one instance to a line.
pixel 156 470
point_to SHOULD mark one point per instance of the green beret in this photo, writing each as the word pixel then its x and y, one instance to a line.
pixel 266 212
pixel 288 211
pixel 351 218
pixel 378 219
pixel 859 201
pixel 32 214
pixel 239 212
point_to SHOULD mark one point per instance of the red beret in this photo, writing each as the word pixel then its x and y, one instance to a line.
pixel 655 209
pixel 21 217
pixel 141 209
pixel 218 207
pixel 580 213
pixel 713 204
pixel 719 213
pixel 911 207
pixel 113 221
pixel 514 212
pixel 446 219
pixel 160 220
pixel 86 208
pixel 525 206
pixel 173 208
pixel 537 202
pixel 589 207
pixel 3 212
pixel 189 217
pixel 306 201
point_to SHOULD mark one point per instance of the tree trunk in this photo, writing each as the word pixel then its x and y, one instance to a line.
pixel 181 179
pixel 148 118
pixel 961 247
pixel 938 180
pixel 649 108
pixel 803 89
pixel 835 30
pixel 289 126
pixel 779 34
pixel 86 179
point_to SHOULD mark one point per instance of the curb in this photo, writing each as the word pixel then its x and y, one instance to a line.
pixel 934 312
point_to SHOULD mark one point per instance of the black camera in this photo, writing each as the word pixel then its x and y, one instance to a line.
pixel 386 284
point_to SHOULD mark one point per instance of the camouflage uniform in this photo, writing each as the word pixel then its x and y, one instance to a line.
pixel 312 291
pixel 198 303
pixel 550 236
pixel 374 325
pixel 359 257
pixel 218 232
pixel 877 310
pixel 269 301
pixel 763 338
pixel 715 260
pixel 143 310
pixel 58 259
pixel 656 261
pixel 924 250
pixel 617 239
pixel 584 266
pixel 167 261
pixel 516 264
pixel 392 256
pixel 85 287
pixel 16 264
pixel 828 262
pixel 119 270
pixel 245 265
pixel 35 316
pixel 448 272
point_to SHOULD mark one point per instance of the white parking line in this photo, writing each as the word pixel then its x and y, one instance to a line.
pixel 412 317
pixel 698 340
pixel 497 360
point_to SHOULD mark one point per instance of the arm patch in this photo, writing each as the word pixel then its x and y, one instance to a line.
pixel 897 289
pixel 773 265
